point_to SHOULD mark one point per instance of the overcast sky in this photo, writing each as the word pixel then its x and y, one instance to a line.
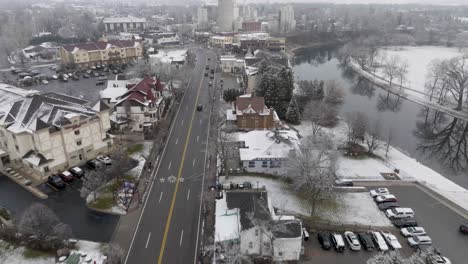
pixel 437 2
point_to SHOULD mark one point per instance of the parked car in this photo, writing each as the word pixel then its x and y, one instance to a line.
pixel 65 79
pixel 463 228
pixel 437 259
pixel 94 164
pixel 379 241
pixel 385 198
pixel 102 78
pixel 366 241
pixel 95 74
pixel 66 176
pixel 413 231
pixel 352 240
pixel 86 76
pixel 387 205
pixel 419 240
pixel 206 74
pixel 405 222
pixel 45 81
pixel 77 172
pixel 379 191
pixel 100 82
pixel 210 83
pixel 305 234
pixel 104 160
pixel 391 240
pixel 338 242
pixel 55 181
pixel 75 77
pixel 93 67
pixel 399 212
pixel 115 72
pixel 324 240
pixel 207 67
pixel 343 183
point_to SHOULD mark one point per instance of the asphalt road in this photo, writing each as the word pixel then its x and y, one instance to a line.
pixel 169 224
pixel 440 222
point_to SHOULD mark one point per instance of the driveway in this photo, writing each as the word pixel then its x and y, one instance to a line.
pixel 440 222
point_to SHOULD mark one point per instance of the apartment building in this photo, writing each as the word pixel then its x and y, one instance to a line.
pixel 48 133
pixel 124 24
pixel 85 55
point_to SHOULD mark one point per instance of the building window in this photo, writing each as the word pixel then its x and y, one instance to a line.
pixel 142 108
pixel 280 253
pixel 16 147
pixel 46 169
pixel 77 132
pixel 78 143
pixel 264 164
pixel 256 232
pixel 250 244
pixel 251 164
pixel 275 164
pixel 244 123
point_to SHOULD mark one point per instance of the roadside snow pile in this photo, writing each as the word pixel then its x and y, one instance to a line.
pixel 11 255
pixel 89 251
pixel 356 208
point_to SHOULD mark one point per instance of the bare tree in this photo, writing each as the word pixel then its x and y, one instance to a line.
pixel 457 79
pixel 320 114
pixel 311 169
pixel 372 137
pixel 91 183
pixel 402 72
pixel 357 126
pixel 114 254
pixel 395 257
pixel 222 150
pixel 391 68
pixel 388 141
pixel 435 85
pixel 334 93
pixel 230 253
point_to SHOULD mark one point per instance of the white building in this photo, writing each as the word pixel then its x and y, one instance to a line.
pixel 202 17
pixel 231 64
pixel 119 24
pixel 49 133
pixel 238 213
pixel 286 23
pixel 226 15
pixel 266 151
pixel 168 40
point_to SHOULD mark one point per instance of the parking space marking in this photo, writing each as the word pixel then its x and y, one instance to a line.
pixel 188 194
pixel 147 240
pixel 169 167
pixel 181 238
pixel 160 196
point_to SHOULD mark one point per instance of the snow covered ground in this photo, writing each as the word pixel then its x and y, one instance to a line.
pixel 11 255
pixel 352 208
pixel 410 169
pixel 141 156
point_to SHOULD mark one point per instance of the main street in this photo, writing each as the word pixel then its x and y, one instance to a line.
pixel 168 228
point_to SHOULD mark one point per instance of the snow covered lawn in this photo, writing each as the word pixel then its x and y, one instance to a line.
pixel 418 58
pixel 352 208
pixel 141 157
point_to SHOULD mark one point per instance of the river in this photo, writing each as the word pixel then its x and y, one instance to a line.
pixel 435 139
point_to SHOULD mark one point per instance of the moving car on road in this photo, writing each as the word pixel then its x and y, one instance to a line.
pixel 413 231
pixel 366 241
pixel 199 107
pixel 379 241
pixel 56 182
pixel 419 240
pixel 324 240
pixel 352 240
pixel 379 191
pixel 391 240
pixel 405 222
pixel 463 228
pixel 338 242
pixel 385 198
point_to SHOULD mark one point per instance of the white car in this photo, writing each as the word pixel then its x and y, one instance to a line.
pixel 379 241
pixel 413 231
pixel 379 191
pixel 391 239
pixel 352 240
pixel 419 240
pixel 385 198
pixel 399 212
pixel 104 160
pixel 45 82
pixel 55 77
pixel 437 259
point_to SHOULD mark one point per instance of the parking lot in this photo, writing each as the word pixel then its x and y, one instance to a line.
pixel 440 223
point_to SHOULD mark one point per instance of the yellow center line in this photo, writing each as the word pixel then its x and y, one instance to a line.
pixel 174 195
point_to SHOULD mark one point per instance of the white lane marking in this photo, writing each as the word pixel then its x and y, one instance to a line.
pixel 193 163
pixel 198 137
pixel 201 121
pixel 160 196
pixel 177 141
pixel 181 238
pixel 188 194
pixel 147 241
pixel 169 167
pixel 182 122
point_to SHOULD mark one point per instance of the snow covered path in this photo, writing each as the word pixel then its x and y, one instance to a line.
pixel 403 92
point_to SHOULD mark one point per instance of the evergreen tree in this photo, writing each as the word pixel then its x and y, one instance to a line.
pixel 292 114
pixel 230 95
pixel 286 80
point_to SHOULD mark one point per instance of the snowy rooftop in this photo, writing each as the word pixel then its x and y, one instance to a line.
pixel 128 19
pixel 227 222
pixel 115 88
pixel 255 36
pixel 265 144
pixel 169 56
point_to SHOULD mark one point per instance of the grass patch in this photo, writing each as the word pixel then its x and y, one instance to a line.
pixel 34 254
pixel 5 214
pixel 104 202
pixel 134 149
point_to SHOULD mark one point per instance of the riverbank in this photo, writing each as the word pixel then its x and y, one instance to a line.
pixel 292 49
pixel 402 92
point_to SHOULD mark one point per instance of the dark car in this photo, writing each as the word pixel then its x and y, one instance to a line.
pixel 405 222
pixel 102 74
pixel 207 67
pixel 366 241
pixel 56 182
pixel 199 107
pixel 212 76
pixel 115 72
pixel 464 228
pixel 387 205
pixel 66 176
pixel 206 73
pixel 324 240
pixel 75 77
pixel 343 183
pixel 94 164
pixel 86 76
pixel 77 172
